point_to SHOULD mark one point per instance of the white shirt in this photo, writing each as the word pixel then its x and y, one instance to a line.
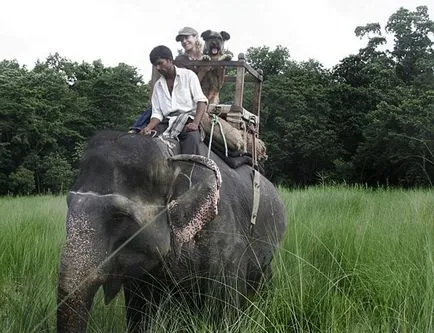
pixel 186 93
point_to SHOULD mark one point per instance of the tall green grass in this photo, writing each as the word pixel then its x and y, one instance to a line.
pixel 357 260
pixel 353 260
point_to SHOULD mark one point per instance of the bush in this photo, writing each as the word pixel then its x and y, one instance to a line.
pixel 58 173
pixel 22 181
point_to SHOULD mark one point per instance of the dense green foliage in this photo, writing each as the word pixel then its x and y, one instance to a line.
pixel 368 120
pixel 352 260
pixel 48 113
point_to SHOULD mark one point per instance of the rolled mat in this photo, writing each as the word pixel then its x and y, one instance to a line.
pixel 234 137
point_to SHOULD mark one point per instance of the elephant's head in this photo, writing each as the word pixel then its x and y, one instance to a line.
pixel 130 206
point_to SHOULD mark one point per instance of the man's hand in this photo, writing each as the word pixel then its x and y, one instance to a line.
pixel 146 131
pixel 191 127
pixel 149 129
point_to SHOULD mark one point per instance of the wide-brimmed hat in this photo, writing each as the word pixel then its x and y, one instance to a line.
pixel 186 31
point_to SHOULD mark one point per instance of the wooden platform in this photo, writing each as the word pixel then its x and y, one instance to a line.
pixel 236 112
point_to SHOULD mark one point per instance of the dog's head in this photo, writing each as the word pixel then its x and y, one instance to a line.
pixel 214 42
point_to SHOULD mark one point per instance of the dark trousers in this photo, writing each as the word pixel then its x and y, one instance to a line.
pixel 143 120
pixel 189 142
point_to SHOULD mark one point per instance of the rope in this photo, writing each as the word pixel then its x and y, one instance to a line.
pixel 216 120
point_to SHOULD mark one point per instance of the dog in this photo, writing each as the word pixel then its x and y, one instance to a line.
pixel 212 79
pixel 214 45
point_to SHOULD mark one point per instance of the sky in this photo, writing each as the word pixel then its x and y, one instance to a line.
pixel 125 31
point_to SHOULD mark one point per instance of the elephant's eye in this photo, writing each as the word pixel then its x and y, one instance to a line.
pixel 117 218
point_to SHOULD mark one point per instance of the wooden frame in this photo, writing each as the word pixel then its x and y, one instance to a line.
pixel 244 73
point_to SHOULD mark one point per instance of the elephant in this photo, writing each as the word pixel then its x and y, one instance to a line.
pixel 146 220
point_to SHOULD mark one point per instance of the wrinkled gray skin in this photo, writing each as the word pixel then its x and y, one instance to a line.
pixel 127 185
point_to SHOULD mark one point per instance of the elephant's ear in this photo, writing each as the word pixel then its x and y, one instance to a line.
pixel 195 195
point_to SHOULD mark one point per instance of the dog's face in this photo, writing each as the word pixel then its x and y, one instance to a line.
pixel 214 42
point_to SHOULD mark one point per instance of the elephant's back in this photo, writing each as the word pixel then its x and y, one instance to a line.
pixel 238 193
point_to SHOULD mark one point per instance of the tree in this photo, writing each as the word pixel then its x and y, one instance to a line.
pixel 270 62
pixel 399 143
pixel 115 95
pixel 50 111
pixel 412 49
pixel 58 174
pixel 300 138
pixel 382 100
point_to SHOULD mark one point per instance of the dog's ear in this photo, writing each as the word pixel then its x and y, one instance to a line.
pixel 205 34
pixel 225 35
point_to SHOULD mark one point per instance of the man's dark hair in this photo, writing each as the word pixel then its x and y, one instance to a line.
pixel 160 51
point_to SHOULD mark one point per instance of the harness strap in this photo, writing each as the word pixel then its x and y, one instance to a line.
pixel 253 132
pixel 214 121
pixel 256 175
pixel 256 197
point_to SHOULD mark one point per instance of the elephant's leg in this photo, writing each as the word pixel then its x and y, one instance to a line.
pixel 140 305
pixel 228 289
pixel 237 292
pixel 258 277
pixel 266 276
pixel 133 311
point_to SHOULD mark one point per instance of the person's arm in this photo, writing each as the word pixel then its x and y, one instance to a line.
pixel 200 110
pixel 201 102
pixel 153 123
pixel 157 114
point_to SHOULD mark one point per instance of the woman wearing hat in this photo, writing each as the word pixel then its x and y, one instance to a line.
pixel 191 44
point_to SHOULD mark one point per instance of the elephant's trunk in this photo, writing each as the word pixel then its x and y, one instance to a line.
pixel 73 309
pixel 80 274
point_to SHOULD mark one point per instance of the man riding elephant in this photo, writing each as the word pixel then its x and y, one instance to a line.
pixel 177 97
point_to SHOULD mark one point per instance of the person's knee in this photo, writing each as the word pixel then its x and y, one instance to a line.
pixel 189 142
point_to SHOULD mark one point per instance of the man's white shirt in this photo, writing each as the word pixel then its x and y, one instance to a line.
pixel 186 93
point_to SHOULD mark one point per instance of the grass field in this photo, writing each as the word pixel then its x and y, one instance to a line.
pixel 353 260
